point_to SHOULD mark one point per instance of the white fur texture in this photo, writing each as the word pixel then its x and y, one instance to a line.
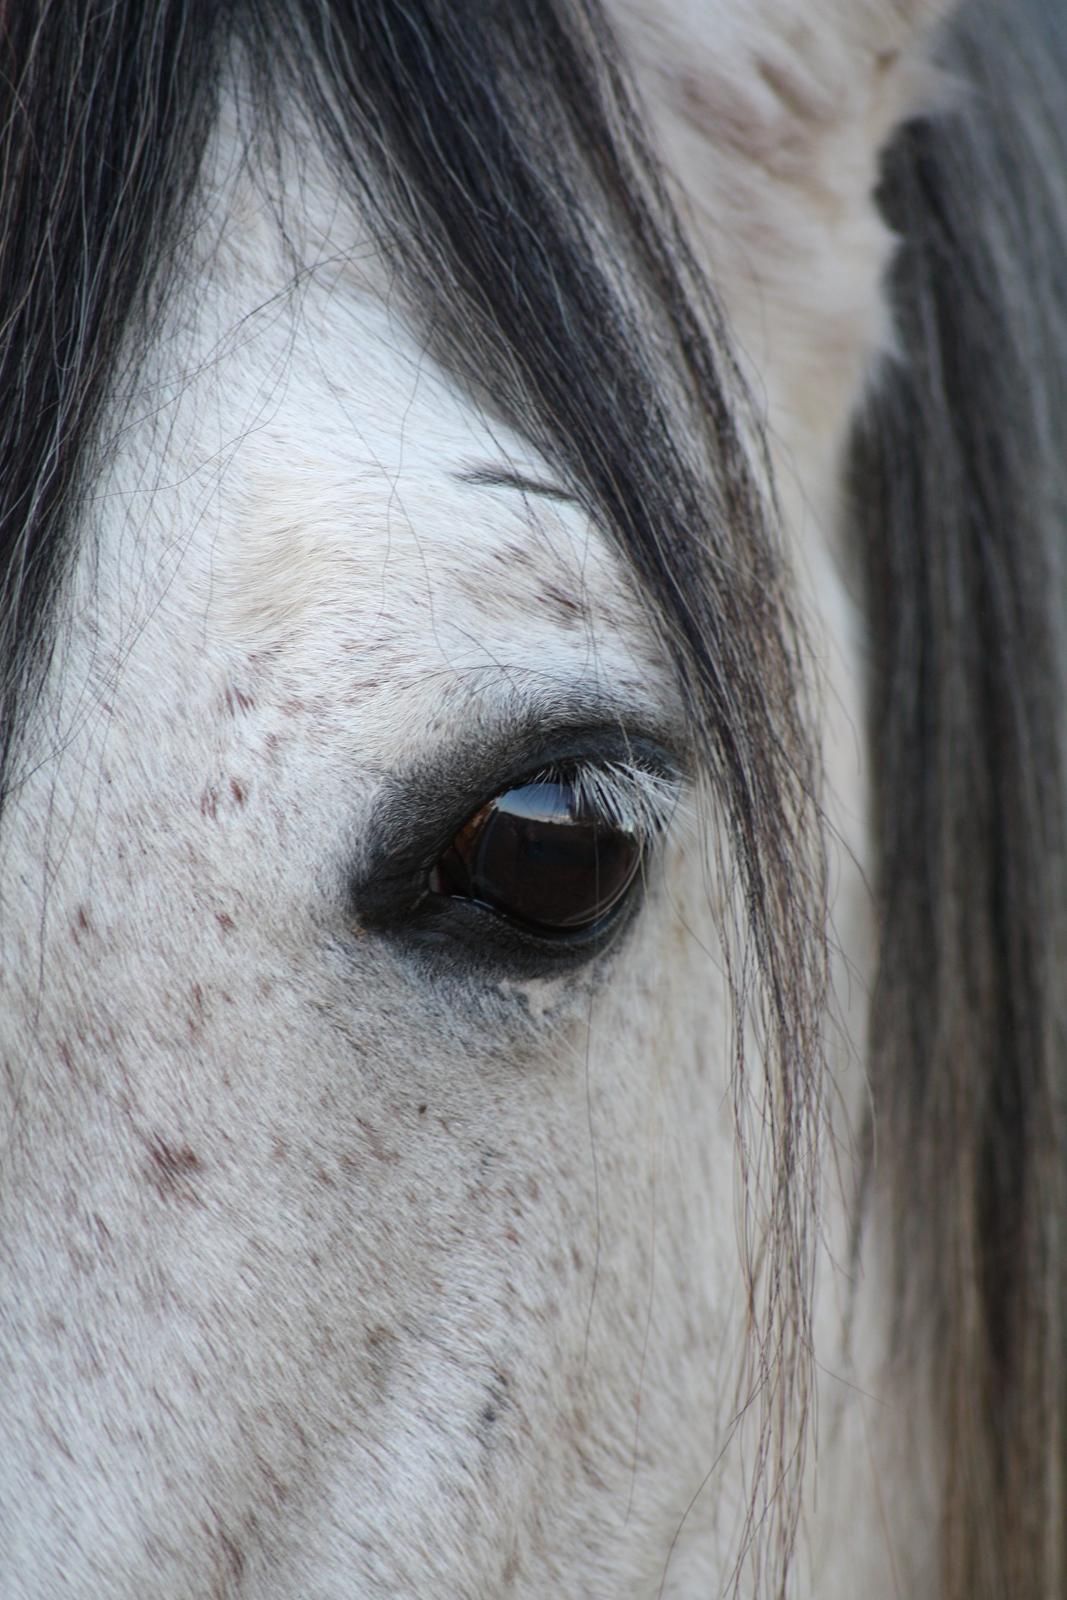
pixel 326 1278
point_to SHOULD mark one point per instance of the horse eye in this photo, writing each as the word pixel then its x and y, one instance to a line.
pixel 539 856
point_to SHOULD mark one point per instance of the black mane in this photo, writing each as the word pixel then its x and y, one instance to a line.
pixel 960 495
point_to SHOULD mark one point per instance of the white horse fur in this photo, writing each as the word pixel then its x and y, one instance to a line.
pixel 327 1278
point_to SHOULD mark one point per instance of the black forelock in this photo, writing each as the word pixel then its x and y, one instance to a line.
pixel 106 110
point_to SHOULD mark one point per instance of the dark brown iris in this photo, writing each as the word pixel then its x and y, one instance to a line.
pixel 535 855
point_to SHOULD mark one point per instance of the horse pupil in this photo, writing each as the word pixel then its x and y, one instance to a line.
pixel 533 854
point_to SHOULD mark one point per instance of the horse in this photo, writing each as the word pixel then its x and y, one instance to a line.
pixel 533 874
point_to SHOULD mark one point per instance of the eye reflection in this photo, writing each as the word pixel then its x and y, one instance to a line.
pixel 542 856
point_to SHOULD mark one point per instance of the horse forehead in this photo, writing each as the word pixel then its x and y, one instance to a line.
pixel 322 543
pixel 377 514
pixel 339 484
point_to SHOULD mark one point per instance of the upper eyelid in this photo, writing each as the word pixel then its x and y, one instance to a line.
pixel 475 770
